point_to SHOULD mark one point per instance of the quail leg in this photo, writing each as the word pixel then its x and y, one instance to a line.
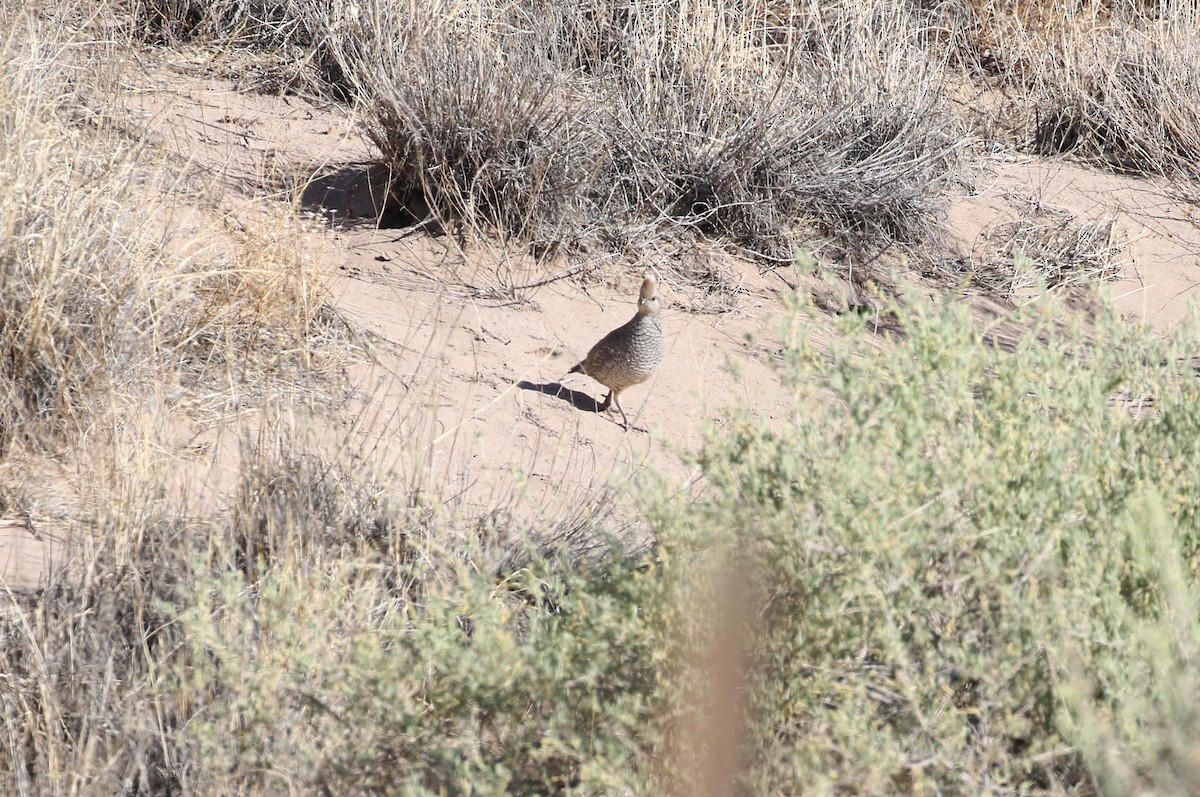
pixel 624 418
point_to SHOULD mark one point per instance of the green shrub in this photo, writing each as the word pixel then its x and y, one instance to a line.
pixel 942 531
pixel 542 683
pixel 342 643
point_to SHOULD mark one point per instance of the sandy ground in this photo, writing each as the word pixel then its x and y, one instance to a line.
pixel 467 393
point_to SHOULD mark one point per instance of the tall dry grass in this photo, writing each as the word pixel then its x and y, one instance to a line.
pixel 116 332
pixel 1112 83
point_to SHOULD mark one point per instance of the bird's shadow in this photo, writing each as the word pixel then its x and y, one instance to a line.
pixel 577 399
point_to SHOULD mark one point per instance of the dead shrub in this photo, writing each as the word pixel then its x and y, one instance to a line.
pixel 1047 245
pixel 1127 99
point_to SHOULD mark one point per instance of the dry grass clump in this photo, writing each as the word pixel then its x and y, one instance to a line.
pixel 103 300
pixel 269 23
pixel 76 308
pixel 1126 97
pixel 84 694
pixel 1115 83
pixel 295 508
pixel 633 115
pixel 1110 81
pixel 1061 249
pixel 1046 247
pixel 477 122
pixel 485 136
pixel 755 166
pixel 254 317
pixel 272 46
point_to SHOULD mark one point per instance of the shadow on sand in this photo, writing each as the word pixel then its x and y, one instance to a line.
pixel 576 398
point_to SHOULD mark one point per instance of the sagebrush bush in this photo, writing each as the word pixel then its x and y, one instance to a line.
pixel 1148 746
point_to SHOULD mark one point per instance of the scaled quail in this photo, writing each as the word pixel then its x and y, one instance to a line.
pixel 629 354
